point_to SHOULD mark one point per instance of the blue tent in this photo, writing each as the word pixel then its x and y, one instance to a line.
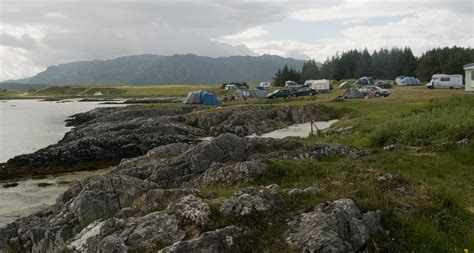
pixel 410 81
pixel 208 98
pixel 365 80
pixel 202 97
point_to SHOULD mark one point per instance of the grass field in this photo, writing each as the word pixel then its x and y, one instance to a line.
pixel 112 91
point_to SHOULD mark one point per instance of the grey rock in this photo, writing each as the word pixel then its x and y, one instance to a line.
pixel 336 226
pixel 159 199
pixel 191 208
pixel 295 191
pixel 144 234
pixel 248 201
pixel 218 173
pixel 216 241
pixel 311 190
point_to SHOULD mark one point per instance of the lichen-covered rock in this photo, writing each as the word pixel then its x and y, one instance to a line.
pixel 85 202
pixel 336 226
pixel 217 241
pixel 218 173
pixel 248 201
pixel 191 208
pixel 143 234
pixel 159 199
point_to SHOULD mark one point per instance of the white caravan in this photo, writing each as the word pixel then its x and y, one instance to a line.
pixel 469 68
pixel 445 81
pixel 321 85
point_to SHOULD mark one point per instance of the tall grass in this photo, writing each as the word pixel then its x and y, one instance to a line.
pixel 445 120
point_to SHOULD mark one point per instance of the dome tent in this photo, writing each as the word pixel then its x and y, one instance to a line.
pixel 365 80
pixel 352 93
pixel 202 97
pixel 409 81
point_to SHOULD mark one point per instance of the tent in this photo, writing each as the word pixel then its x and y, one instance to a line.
pixel 344 84
pixel 365 80
pixel 249 93
pixel 352 93
pixel 202 97
pixel 409 81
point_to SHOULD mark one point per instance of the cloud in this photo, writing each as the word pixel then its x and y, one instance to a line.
pixel 425 30
pixel 355 10
pixel 75 30
pixel 25 41
pixel 250 33
pixel 39 33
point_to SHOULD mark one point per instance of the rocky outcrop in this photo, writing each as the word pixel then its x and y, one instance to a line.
pixel 250 200
pixel 143 234
pixel 148 203
pixel 85 202
pixel 250 119
pixel 103 136
pixel 192 209
pixel 336 226
pixel 216 241
pixel 228 174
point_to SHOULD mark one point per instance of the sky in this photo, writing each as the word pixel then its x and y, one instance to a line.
pixel 39 33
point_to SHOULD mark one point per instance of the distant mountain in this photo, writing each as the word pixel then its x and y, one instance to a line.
pixel 156 69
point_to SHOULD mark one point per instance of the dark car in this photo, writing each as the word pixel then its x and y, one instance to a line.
pixel 304 91
pixel 280 94
pixel 367 91
pixel 384 84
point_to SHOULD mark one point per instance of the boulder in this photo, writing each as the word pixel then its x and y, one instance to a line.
pixel 336 226
pixel 192 209
pixel 248 201
pixel 216 241
pixel 143 234
pixel 219 173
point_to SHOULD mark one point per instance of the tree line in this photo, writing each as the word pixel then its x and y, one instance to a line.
pixel 381 64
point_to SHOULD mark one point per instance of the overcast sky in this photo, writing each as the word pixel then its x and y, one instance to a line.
pixel 38 33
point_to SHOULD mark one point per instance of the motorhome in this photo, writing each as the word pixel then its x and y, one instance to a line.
pixel 445 81
pixel 321 85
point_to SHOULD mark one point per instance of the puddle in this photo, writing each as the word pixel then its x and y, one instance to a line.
pixel 297 130
pixel 28 197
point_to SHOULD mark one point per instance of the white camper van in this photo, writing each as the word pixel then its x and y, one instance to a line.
pixel 445 81
pixel 265 84
pixel 321 85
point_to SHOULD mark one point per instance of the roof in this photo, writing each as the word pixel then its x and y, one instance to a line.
pixel 469 66
pixel 443 75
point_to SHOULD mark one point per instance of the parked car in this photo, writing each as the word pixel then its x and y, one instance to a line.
pixel 384 84
pixel 304 91
pixel 280 94
pixel 366 91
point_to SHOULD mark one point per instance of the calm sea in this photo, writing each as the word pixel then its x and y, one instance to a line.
pixel 29 125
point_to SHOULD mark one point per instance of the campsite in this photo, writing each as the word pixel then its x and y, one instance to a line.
pixel 394 151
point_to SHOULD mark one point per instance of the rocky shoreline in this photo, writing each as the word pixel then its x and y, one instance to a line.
pixel 103 136
pixel 152 200
pixel 152 203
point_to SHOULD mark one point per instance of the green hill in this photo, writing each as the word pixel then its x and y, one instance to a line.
pixel 155 69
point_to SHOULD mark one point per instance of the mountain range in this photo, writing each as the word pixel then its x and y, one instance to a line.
pixel 157 69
